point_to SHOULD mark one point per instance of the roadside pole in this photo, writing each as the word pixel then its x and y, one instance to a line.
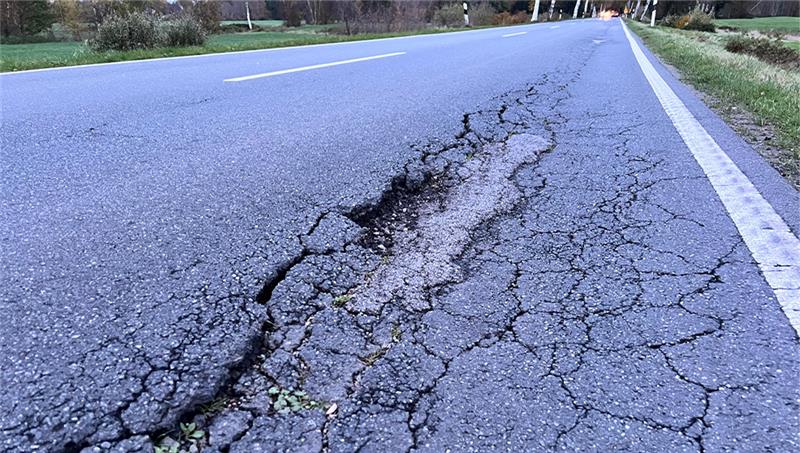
pixel 535 15
pixel 653 14
pixel 577 7
pixel 552 9
pixel 585 7
pixel 466 14
pixel 247 8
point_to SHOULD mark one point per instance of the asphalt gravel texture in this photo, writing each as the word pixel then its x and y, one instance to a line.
pixel 486 243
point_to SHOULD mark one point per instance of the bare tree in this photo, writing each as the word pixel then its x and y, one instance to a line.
pixel 644 11
pixel 69 15
pixel 314 10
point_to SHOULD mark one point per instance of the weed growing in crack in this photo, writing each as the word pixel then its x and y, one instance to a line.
pixel 189 439
pixel 215 406
pixel 341 301
pixel 372 358
pixel 285 401
pixel 397 334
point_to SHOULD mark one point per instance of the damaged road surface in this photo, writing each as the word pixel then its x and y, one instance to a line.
pixel 521 254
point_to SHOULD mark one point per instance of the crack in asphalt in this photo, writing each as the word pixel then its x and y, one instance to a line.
pixel 398 208
pixel 530 284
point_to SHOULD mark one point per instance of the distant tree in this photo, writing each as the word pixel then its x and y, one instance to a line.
pixel 25 18
pixel 9 18
pixel 636 9
pixel 96 12
pixel 207 12
pixel 318 11
pixel 409 14
pixel 644 11
pixel 147 6
pixel 345 12
pixel 35 16
pixel 258 10
pixel 505 5
pixel 291 12
pixel 92 12
pixel 236 10
pixel 68 13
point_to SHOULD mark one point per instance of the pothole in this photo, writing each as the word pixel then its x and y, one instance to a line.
pixel 425 255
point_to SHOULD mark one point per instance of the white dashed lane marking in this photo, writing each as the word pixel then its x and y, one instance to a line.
pixel 515 34
pixel 772 244
pixel 312 67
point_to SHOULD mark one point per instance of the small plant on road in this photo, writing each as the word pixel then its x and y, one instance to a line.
pixel 397 334
pixel 188 440
pixel 341 301
pixel 215 406
pixel 285 401
pixel 373 357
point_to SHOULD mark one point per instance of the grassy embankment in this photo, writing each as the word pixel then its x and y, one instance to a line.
pixel 765 25
pixel 17 57
pixel 770 93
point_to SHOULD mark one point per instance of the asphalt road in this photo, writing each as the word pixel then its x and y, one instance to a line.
pixel 470 241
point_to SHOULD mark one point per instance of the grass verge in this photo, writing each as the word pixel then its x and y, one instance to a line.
pixel 769 93
pixel 260 23
pixel 781 24
pixel 19 57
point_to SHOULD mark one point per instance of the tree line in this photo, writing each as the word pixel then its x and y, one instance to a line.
pixel 32 17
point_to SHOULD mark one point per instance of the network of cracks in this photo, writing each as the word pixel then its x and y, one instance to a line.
pixel 532 284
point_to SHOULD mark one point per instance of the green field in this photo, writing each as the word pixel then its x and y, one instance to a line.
pixel 24 55
pixel 260 23
pixel 771 94
pixel 793 44
pixel 782 24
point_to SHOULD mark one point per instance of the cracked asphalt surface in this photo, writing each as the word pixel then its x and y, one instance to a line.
pixel 544 266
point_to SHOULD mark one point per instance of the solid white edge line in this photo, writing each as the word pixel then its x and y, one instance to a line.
pixel 515 34
pixel 312 67
pixel 770 240
pixel 273 49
